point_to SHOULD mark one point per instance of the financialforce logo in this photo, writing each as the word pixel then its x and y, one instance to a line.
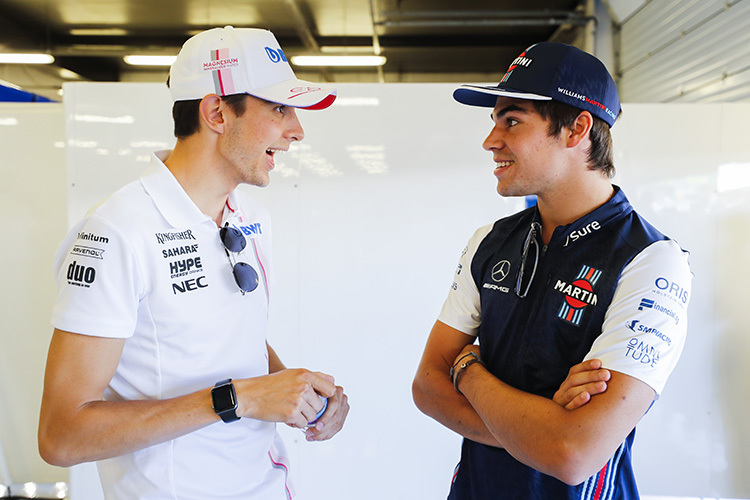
pixel 578 295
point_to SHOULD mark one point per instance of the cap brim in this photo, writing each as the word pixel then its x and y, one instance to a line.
pixel 475 95
pixel 298 94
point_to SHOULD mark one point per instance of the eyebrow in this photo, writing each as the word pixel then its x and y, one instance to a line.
pixel 507 109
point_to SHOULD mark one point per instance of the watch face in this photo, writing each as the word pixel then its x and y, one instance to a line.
pixel 223 398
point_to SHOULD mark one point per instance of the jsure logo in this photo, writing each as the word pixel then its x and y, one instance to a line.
pixel 580 233
pixel 578 295
pixel 672 290
pixel 275 55
pixel 79 275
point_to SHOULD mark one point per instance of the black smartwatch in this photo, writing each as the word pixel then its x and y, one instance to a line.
pixel 225 400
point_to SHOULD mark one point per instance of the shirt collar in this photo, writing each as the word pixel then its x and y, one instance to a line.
pixel 616 207
pixel 170 198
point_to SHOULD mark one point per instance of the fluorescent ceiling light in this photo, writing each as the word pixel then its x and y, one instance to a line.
pixel 26 59
pixel 338 60
pixel 149 60
pixel 98 32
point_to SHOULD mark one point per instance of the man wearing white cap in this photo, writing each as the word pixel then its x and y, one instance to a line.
pixel 580 277
pixel 159 368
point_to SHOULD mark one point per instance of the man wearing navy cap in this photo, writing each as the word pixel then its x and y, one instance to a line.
pixel 158 368
pixel 577 282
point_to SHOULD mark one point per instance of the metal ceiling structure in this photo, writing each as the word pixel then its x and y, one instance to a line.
pixel 420 38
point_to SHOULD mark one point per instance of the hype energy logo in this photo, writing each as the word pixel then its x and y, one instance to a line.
pixel 578 295
pixel 220 65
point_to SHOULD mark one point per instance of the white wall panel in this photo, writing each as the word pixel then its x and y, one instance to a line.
pixel 33 195
pixel 686 51
pixel 370 214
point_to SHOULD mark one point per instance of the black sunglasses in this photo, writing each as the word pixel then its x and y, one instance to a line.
pixel 522 289
pixel 245 275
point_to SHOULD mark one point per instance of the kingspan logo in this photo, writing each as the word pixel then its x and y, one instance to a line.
pixel 578 295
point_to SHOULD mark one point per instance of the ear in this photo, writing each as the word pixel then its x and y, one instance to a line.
pixel 211 113
pixel 580 129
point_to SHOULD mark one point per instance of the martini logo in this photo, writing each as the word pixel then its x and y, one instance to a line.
pixel 578 295
pixel 521 60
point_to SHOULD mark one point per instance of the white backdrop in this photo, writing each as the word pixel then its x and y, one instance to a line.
pixel 370 214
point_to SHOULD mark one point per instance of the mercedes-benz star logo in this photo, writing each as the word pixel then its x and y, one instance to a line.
pixel 500 271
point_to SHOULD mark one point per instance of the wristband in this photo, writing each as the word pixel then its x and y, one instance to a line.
pixel 463 367
pixel 453 368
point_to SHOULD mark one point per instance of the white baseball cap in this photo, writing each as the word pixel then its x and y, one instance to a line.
pixel 229 60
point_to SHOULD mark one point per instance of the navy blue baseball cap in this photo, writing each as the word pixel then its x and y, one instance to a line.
pixel 552 71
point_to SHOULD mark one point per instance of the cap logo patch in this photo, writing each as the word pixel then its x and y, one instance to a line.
pixel 593 102
pixel 298 91
pixel 221 65
pixel 521 60
pixel 275 55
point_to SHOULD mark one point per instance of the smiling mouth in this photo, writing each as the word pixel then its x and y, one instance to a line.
pixel 501 164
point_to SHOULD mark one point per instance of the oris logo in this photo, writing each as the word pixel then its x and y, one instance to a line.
pixel 80 275
pixel 672 290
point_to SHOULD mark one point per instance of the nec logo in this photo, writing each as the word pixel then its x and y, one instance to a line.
pixel 275 55
pixel 189 285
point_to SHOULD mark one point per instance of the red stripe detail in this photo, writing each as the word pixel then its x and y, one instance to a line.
pixel 600 483
pixel 569 316
pixel 590 274
pixel 286 474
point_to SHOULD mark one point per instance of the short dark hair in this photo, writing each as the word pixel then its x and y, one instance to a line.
pixel 185 114
pixel 600 153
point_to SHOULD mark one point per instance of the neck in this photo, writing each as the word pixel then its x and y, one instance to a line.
pixel 568 205
pixel 196 172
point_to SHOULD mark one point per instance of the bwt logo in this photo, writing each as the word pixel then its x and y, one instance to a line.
pixel 275 55
pixel 672 288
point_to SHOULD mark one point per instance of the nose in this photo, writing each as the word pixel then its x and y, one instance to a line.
pixel 494 140
pixel 294 131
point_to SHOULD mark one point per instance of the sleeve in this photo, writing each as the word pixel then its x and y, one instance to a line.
pixel 461 310
pixel 99 284
pixel 644 329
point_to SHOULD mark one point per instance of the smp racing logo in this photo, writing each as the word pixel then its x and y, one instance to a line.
pixel 578 294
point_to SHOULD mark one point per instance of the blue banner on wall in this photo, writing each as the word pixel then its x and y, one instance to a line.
pixel 9 94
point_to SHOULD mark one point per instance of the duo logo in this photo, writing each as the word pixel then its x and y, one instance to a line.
pixel 275 55
pixel 578 294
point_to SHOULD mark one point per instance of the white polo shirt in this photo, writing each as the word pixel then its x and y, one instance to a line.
pixel 149 267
